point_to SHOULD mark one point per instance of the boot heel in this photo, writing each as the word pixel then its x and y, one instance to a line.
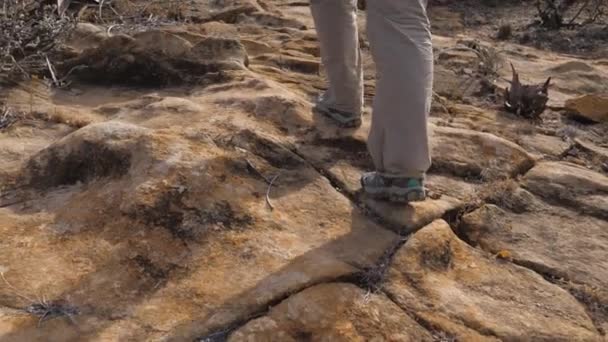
pixel 416 196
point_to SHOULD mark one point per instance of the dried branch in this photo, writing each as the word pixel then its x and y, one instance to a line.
pixel 15 291
pixel 7 117
pixel 580 11
pixel 62 6
pixel 552 12
pixel 43 308
pixel 253 169
pixel 29 31
pixel 52 71
pixel 268 191
pixel 599 11
pixel 101 10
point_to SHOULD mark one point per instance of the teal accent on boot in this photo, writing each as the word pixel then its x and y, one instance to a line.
pixel 393 189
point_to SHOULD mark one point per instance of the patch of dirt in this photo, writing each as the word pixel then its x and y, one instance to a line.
pixel 141 61
pixel 493 19
pixel 273 152
pixel 91 161
pixel 170 211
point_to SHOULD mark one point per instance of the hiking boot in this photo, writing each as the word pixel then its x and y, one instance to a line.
pixel 341 118
pixel 393 189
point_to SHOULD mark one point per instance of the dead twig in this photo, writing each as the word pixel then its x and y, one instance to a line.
pixel 268 191
pixel 19 66
pixel 120 17
pixel 109 31
pixel 7 117
pixel 599 11
pixel 43 308
pixel 490 59
pixel 552 12
pixel 101 10
pixel 252 168
pixel 52 71
pixel 15 291
pixel 29 32
pixel 489 62
pixel 62 6
pixel 69 73
pixel 580 11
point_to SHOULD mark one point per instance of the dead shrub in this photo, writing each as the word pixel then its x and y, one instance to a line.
pixel 505 32
pixel 30 31
pixel 553 13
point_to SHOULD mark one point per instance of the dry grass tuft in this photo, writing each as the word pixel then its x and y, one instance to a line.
pixel 42 308
pixel 8 117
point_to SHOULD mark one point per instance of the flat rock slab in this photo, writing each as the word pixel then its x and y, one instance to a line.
pixel 501 124
pixel 473 297
pixel 553 241
pixel 352 159
pixel 570 184
pixel 598 151
pixel 545 145
pixel 157 58
pixel 488 120
pixel 160 224
pixel 592 107
pixel 333 312
pixel 21 141
pixel 469 153
pixel 181 239
pixel 453 187
pixel 410 217
pixel 596 157
pixel 345 165
pixel 457 151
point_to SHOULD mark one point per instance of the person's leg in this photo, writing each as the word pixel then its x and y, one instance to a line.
pixel 400 39
pixel 336 25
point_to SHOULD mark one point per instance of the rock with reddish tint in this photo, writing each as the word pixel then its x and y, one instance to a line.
pixel 334 312
pixel 468 153
pixel 472 296
pixel 571 185
pixel 593 107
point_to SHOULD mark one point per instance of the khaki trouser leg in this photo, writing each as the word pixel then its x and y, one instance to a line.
pixel 336 24
pixel 400 39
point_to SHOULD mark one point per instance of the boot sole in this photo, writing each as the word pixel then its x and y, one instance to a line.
pixel 414 195
pixel 353 123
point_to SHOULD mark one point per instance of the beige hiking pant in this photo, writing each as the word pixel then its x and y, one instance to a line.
pixel 400 40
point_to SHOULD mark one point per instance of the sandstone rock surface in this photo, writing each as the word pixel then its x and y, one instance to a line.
pixel 472 296
pixel 177 186
pixel 336 312
pixel 570 184
pixel 550 240
pixel 593 107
